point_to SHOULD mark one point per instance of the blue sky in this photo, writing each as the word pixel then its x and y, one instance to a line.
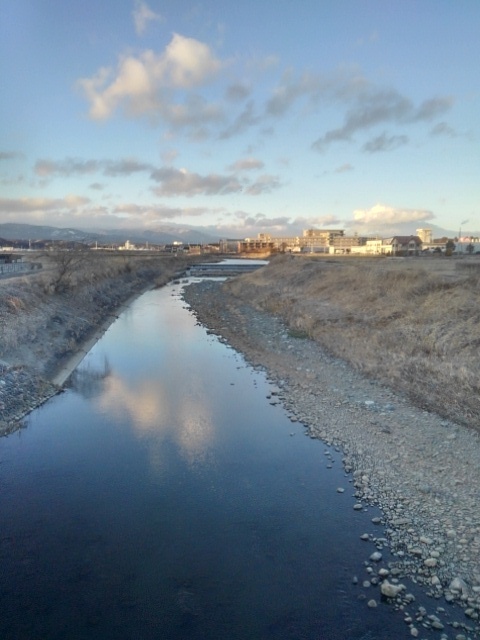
pixel 241 117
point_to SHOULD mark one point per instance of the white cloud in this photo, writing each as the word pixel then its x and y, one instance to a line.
pixel 384 215
pixel 140 82
pixel 142 15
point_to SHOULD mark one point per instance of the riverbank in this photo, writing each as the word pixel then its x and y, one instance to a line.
pixel 46 334
pixel 420 468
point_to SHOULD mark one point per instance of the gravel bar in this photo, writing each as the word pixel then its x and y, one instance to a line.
pixel 420 469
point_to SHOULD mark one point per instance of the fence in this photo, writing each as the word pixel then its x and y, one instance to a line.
pixel 16 267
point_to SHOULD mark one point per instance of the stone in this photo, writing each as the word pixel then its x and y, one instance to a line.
pixel 457 584
pixel 390 590
pixel 430 562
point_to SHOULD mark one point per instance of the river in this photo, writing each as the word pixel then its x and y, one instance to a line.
pixel 166 494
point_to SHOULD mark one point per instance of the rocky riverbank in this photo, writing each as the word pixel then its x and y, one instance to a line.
pixel 419 468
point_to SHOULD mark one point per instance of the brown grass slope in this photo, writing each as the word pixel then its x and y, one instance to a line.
pixel 43 320
pixel 413 324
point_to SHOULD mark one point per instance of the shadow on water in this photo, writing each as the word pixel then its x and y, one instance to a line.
pixel 163 496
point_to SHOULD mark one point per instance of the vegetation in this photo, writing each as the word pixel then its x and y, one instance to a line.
pixel 411 323
pixel 45 316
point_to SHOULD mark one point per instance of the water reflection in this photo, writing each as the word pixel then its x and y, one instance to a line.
pixel 88 380
pixel 153 411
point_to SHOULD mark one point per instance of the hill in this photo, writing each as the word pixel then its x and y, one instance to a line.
pixel 160 235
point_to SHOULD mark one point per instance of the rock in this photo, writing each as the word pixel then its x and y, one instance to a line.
pixel 391 590
pixel 430 562
pixel 376 556
pixel 457 584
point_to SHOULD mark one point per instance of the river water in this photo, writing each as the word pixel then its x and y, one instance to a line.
pixel 165 495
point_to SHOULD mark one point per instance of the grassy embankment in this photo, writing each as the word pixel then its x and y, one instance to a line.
pixel 413 324
pixel 44 318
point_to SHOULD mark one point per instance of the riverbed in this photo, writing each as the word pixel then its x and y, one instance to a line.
pixel 167 492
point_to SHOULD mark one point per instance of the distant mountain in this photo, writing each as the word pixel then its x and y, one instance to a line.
pixel 24 232
pixel 162 235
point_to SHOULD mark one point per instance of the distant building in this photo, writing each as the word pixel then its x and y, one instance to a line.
pixel 402 246
pixel 230 245
pixel 425 235
pixel 468 245
pixel 346 244
pixel 372 247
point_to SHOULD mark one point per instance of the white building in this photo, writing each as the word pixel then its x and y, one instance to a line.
pixel 425 235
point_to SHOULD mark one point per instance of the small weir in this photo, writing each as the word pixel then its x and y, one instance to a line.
pixel 225 269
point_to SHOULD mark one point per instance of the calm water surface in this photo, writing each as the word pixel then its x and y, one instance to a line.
pixel 163 496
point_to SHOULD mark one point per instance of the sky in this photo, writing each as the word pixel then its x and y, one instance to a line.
pixel 241 117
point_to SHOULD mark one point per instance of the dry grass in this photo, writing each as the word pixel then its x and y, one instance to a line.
pixel 412 323
pixel 42 322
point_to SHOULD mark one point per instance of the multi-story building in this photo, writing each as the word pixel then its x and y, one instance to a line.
pixel 346 244
pixel 425 235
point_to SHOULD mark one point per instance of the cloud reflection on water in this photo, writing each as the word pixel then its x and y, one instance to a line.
pixel 156 414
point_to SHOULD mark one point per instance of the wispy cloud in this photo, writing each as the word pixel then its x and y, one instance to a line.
pixel 443 129
pixel 10 155
pixel 384 143
pixel 375 107
pixel 143 15
pixel 246 164
pixel 237 92
pixel 125 167
pixel 25 205
pixel 157 213
pixel 344 168
pixel 70 166
pixel 76 166
pixel 263 184
pixel 244 120
pixel 167 87
pixel 180 182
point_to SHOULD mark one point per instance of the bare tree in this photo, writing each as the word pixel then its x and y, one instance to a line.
pixel 66 263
